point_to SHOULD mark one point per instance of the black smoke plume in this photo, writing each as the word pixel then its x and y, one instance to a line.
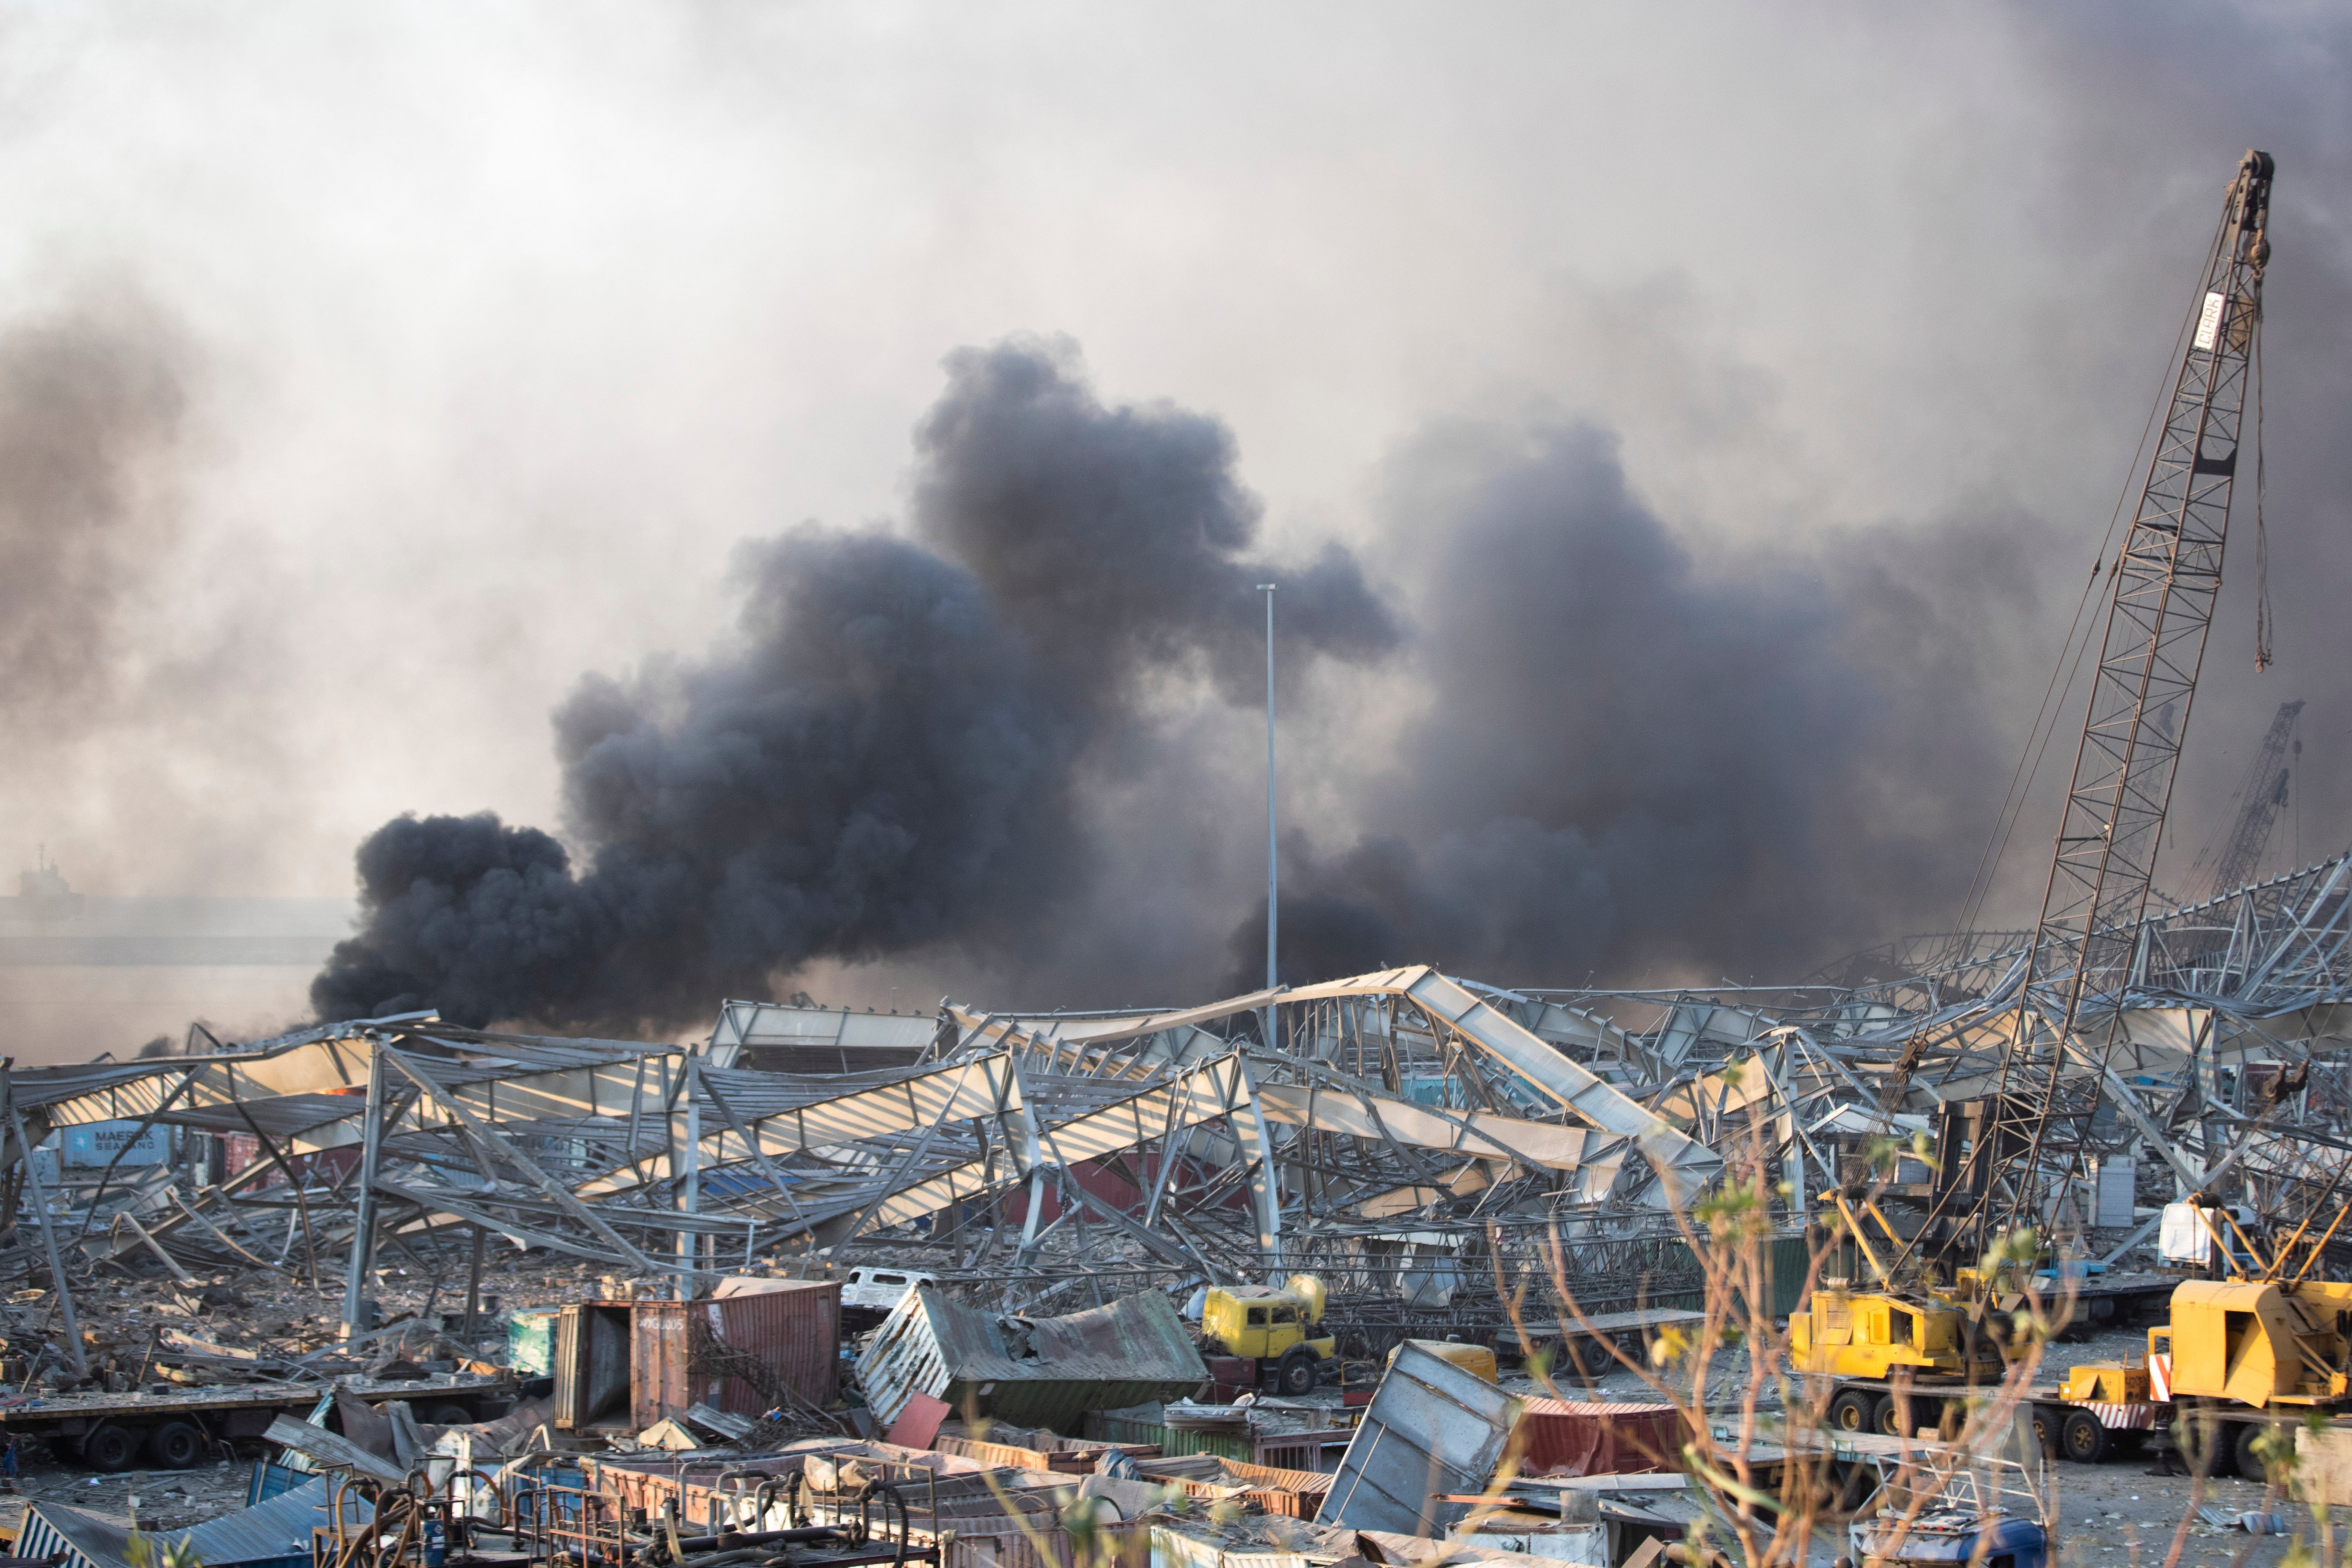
pixel 886 753
pixel 1637 762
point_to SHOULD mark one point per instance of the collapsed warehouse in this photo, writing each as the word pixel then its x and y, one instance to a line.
pixel 1409 1138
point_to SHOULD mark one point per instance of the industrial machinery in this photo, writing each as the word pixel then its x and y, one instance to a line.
pixel 1929 1306
pixel 1879 1346
pixel 2238 1357
pixel 1268 1328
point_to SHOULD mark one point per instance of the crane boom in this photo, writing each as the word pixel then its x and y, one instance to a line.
pixel 2160 590
pixel 2165 579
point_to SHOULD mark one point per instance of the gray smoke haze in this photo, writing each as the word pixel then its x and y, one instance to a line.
pixel 885 757
pixel 91 407
pixel 504 333
pixel 1634 761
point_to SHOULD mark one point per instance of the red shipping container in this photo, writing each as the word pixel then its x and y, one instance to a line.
pixel 796 1331
pixel 1578 1437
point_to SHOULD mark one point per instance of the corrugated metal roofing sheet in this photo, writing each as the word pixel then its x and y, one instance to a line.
pixel 277 1529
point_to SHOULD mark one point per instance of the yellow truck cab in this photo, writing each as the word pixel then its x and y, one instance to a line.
pixel 1271 1326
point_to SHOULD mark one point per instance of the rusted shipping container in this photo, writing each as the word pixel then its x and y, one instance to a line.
pixel 795 1332
pixel 1005 1543
pixel 717 1495
pixel 704 1501
pixel 1294 1494
pixel 1580 1437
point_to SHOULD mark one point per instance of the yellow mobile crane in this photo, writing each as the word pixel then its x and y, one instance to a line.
pixel 2239 1357
pixel 1929 1316
pixel 1881 1345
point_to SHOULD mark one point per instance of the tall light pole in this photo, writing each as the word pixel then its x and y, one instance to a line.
pixel 1273 871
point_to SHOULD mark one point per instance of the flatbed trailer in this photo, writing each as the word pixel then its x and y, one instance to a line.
pixel 173 1430
pixel 2083 1430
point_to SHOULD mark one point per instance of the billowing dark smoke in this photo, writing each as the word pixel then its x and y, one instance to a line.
pixel 89 399
pixel 1637 762
pixel 885 755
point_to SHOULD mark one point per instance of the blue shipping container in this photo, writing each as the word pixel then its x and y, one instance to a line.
pixel 95 1143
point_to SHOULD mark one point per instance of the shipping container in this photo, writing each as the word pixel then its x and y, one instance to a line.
pixel 1431 1430
pixel 531 1343
pixel 592 1367
pixel 707 1499
pixel 93 1145
pixel 795 1331
pixel 1591 1438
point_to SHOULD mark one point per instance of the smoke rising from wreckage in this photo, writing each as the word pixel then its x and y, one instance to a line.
pixel 903 745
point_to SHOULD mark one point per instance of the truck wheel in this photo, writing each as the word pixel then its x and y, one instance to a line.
pixel 2203 1444
pixel 176 1446
pixel 2249 1463
pixel 2044 1438
pixel 2081 1438
pixel 1850 1411
pixel 1893 1415
pixel 111 1449
pixel 1300 1371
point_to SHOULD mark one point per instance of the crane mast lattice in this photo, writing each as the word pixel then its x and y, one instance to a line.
pixel 2161 586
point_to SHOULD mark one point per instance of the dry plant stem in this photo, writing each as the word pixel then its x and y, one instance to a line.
pixel 2197 1473
pixel 2270 1498
pixel 1776 1532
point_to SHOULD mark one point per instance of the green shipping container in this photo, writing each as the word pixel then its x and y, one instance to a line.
pixel 1787 1261
pixel 531 1343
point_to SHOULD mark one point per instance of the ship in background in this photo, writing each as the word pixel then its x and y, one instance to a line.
pixel 42 893
pixel 50 924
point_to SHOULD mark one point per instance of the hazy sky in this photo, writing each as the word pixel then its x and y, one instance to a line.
pixel 421 360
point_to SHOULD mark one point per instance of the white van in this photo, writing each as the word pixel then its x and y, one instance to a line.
pixel 880 1288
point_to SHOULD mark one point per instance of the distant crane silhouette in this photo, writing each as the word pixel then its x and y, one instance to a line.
pixel 2259 801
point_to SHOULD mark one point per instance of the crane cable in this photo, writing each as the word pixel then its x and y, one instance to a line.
pixel 2263 625
pixel 2069 663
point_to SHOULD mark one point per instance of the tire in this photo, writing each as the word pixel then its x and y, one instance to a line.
pixel 2082 1438
pixel 2045 1436
pixel 111 1449
pixel 1850 1411
pixel 176 1446
pixel 449 1415
pixel 2204 1444
pixel 1301 1371
pixel 2249 1463
pixel 1891 1414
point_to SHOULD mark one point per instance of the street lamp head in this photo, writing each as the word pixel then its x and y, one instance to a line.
pixel 1265 587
